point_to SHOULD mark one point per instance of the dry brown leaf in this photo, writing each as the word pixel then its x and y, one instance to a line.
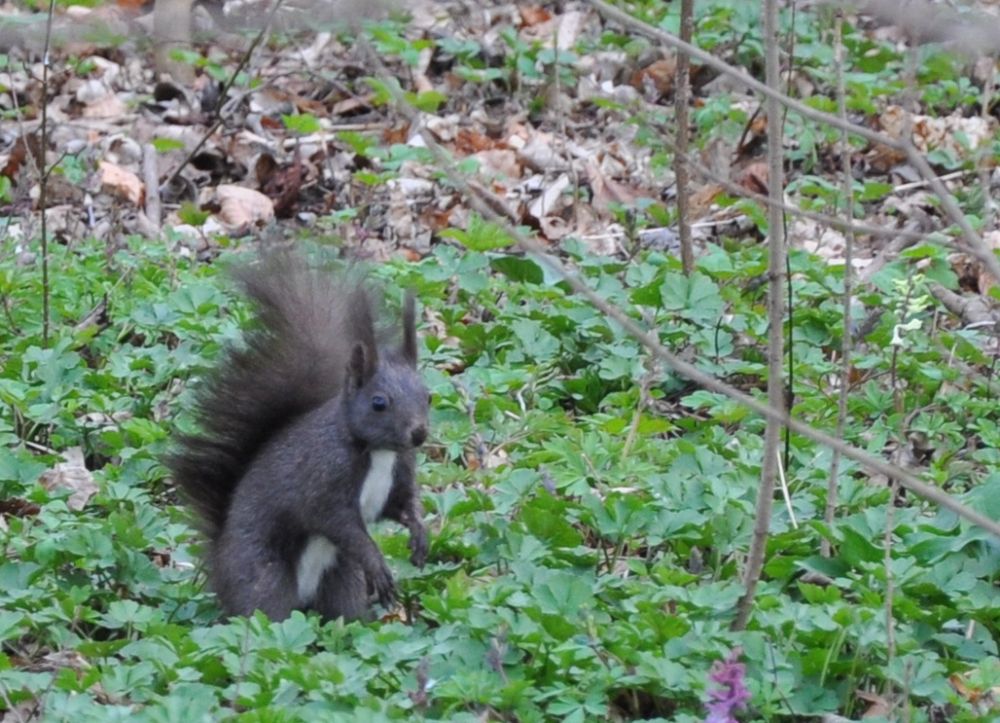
pixel 121 183
pixel 606 190
pixel 753 177
pixel 400 218
pixel 353 105
pixel 534 14
pixel 469 141
pixel 879 707
pixel 73 475
pixel 498 164
pixel 571 23
pixel 991 239
pixel 436 219
pixel 883 159
pixel 16 507
pixel 702 199
pixel 659 75
pixel 826 242
pixel 445 127
pixel 550 201
pixel 554 228
pixel 24 147
pixel 241 207
pixel 986 700
pixel 538 151
pixel 495 458
pixel 938 133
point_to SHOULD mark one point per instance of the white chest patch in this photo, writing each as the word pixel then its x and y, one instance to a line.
pixel 318 556
pixel 378 482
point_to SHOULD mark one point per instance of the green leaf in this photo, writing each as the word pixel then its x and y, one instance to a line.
pixel 190 214
pixel 518 268
pixel 480 235
pixel 303 124
pixel 165 145
pixel 429 101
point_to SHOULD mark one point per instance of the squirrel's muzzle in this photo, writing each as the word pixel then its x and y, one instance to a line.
pixel 418 436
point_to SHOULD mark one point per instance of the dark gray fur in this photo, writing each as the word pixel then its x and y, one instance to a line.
pixel 289 423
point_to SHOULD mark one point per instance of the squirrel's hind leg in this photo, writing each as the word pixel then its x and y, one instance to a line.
pixel 246 583
pixel 343 592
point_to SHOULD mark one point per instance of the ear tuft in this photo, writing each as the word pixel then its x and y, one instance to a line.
pixel 356 367
pixel 410 329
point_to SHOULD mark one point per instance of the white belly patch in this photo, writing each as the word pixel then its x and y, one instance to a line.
pixel 318 556
pixel 378 482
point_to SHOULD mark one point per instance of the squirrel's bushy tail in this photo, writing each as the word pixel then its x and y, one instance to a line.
pixel 294 358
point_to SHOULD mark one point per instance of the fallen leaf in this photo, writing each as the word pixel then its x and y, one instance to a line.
pixel 753 177
pixel 607 191
pixel 73 475
pixel 498 163
pixel 939 133
pixel 554 228
pixel 550 200
pixel 469 141
pixel 121 183
pixel 658 75
pixel 534 14
pixel 241 207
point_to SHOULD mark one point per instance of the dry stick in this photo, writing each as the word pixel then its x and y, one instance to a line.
pixel 913 185
pixel 909 85
pixel 492 208
pixel 974 244
pixel 847 188
pixel 151 178
pixel 43 181
pixel 775 320
pixel 681 93
pixel 983 156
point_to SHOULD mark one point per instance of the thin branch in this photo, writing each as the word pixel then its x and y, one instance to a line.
pixel 151 178
pixel 775 320
pixel 847 189
pixel 43 181
pixel 682 91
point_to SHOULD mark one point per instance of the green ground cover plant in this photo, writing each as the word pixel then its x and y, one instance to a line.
pixel 586 545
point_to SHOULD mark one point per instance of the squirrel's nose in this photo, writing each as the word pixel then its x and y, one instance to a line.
pixel 418 436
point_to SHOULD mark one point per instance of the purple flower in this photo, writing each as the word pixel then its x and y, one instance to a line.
pixel 731 694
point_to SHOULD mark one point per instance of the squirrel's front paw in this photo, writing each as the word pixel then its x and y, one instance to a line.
pixel 380 583
pixel 418 545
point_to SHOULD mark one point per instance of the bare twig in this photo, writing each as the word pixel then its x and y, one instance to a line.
pixel 847 188
pixel 775 318
pixel 43 181
pixel 984 155
pixel 786 494
pixel 682 90
pixel 151 178
pixel 910 82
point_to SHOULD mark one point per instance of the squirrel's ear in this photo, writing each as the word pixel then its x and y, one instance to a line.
pixel 410 329
pixel 356 372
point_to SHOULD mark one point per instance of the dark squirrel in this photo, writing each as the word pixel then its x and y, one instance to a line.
pixel 309 432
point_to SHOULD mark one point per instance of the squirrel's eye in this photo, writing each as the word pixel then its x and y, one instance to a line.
pixel 380 403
